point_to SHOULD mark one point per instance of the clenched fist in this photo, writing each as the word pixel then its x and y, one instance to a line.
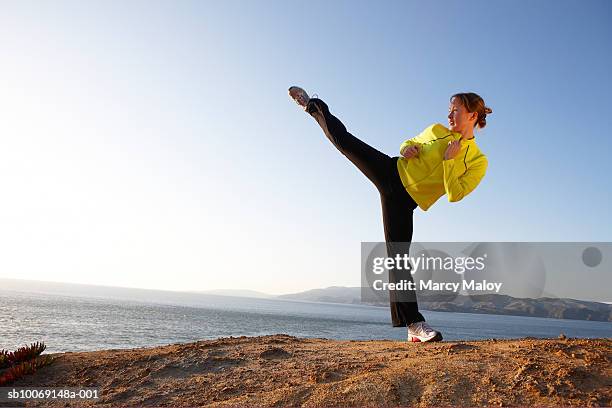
pixel 410 152
pixel 452 150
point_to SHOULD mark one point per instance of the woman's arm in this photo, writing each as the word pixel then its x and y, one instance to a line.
pixel 459 181
pixel 410 151
pixel 431 133
pixel 407 147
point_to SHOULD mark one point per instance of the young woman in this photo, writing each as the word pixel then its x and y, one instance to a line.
pixel 438 161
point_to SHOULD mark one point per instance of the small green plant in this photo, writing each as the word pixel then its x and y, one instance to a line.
pixel 23 361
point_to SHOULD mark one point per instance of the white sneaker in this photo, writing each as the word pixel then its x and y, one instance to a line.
pixel 299 96
pixel 422 332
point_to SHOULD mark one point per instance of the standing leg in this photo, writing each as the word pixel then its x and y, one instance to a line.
pixel 397 210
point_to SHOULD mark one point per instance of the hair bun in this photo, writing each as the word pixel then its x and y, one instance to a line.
pixel 482 118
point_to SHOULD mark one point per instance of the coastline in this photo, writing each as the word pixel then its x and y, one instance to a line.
pixel 282 370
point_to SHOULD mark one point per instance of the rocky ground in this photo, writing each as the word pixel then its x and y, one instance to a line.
pixel 281 370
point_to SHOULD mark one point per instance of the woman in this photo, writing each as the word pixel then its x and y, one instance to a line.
pixel 439 161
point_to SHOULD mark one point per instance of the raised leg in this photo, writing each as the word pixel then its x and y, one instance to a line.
pixel 372 163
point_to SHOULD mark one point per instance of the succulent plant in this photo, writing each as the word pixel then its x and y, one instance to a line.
pixel 23 361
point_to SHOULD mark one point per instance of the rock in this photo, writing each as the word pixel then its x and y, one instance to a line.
pixel 275 352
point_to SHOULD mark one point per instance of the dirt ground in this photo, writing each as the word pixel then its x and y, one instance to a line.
pixel 281 370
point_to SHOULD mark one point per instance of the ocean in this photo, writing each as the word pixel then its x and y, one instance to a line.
pixel 73 323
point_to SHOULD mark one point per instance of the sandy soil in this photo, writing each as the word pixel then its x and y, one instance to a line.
pixel 282 370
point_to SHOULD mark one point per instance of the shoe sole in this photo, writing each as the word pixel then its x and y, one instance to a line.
pixel 437 337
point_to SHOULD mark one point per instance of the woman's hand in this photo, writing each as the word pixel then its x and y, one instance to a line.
pixel 452 150
pixel 411 152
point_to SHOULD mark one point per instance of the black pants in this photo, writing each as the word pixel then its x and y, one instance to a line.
pixel 397 204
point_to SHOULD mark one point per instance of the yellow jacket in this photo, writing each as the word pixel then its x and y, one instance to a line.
pixel 428 176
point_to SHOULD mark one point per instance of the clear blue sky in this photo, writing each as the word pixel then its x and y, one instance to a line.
pixel 152 144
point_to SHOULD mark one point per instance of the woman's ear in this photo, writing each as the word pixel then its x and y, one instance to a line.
pixel 474 117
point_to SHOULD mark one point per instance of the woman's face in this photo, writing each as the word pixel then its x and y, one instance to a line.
pixel 459 119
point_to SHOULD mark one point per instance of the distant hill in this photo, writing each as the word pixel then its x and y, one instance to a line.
pixel 486 303
pixel 332 294
pixel 239 293
pixel 121 293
